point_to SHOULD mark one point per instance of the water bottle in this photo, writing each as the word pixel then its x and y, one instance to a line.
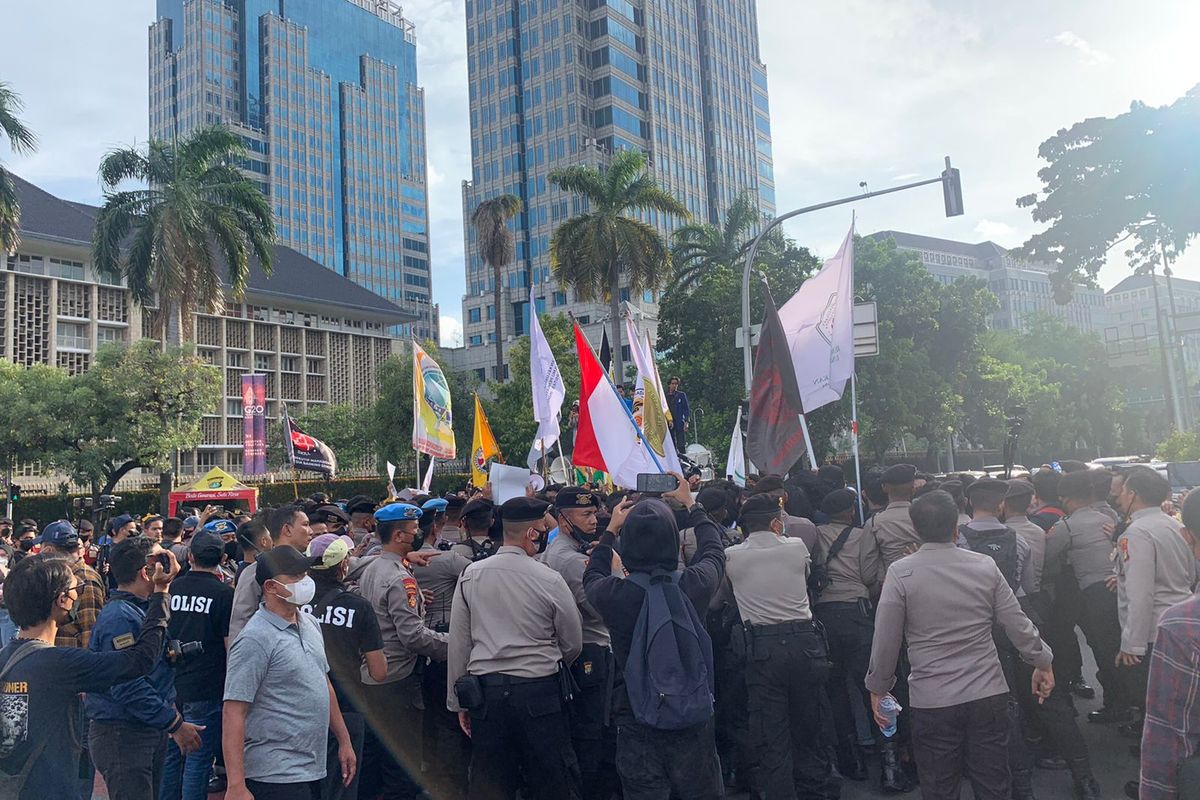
pixel 890 709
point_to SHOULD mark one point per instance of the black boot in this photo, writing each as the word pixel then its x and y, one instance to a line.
pixel 1022 784
pixel 849 761
pixel 1086 787
pixel 894 779
pixel 1080 688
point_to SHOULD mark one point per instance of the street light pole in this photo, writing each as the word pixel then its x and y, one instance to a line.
pixel 1168 357
pixel 1177 344
pixel 953 195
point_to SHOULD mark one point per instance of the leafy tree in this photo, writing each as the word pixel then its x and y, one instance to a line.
pixel 133 409
pixel 1179 446
pixel 700 248
pixel 31 398
pixel 1108 180
pixel 497 247
pixel 21 140
pixel 196 213
pixel 593 251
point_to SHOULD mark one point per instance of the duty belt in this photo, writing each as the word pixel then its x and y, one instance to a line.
pixel 500 679
pixel 783 628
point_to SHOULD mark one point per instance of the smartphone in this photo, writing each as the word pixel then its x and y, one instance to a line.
pixel 165 560
pixel 656 483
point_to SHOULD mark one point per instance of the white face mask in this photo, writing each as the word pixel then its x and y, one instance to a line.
pixel 302 592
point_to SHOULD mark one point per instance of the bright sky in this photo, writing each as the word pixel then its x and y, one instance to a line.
pixel 861 90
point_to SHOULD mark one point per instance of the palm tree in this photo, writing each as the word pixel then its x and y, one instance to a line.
pixel 593 250
pixel 168 239
pixel 22 140
pixel 497 247
pixel 701 247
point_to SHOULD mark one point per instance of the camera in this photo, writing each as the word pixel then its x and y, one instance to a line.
pixel 107 501
pixel 177 650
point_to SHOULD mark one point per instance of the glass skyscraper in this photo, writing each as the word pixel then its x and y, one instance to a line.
pixel 324 94
pixel 561 82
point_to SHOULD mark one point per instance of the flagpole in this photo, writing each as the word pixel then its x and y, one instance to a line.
pixel 566 472
pixel 807 441
pixel 854 444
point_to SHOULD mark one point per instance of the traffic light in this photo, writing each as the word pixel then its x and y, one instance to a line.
pixel 952 190
pixel 14 493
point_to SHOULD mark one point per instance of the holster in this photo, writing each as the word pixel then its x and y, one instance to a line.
pixel 566 683
pixel 469 691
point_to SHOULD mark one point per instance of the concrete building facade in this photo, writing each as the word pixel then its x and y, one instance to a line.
pixel 324 94
pixel 555 83
pixel 318 337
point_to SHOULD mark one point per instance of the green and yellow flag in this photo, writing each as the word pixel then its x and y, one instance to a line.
pixel 433 433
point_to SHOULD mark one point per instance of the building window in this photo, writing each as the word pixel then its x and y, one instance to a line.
pixel 473 315
pixel 262 362
pixel 233 359
pixel 289 363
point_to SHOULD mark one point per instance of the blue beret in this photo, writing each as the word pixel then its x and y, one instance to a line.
pixel 398 511
pixel 435 504
pixel 220 527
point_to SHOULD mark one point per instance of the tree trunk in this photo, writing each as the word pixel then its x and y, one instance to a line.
pixel 614 320
pixel 499 327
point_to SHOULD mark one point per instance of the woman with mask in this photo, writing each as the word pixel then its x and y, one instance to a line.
pixel 279 703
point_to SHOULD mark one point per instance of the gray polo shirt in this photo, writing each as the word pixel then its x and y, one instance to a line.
pixel 279 668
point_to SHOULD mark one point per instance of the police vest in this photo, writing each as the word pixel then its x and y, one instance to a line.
pixel 999 545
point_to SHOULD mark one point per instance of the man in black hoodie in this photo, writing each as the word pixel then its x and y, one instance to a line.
pixel 655 763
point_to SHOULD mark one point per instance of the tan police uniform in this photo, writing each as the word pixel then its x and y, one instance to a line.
pixel 894 532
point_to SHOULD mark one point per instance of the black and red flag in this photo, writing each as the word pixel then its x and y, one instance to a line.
pixel 307 452
pixel 774 435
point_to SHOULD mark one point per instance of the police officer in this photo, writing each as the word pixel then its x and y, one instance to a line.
pixel 395 702
pixel 787 662
pixel 478 517
pixel 891 527
pixel 446 748
pixel 361 509
pixel 798 527
pixel 200 608
pixel 1080 540
pixel 352 639
pixel 514 622
pixel 1056 714
pixel 1155 570
pixel 332 518
pixel 943 601
pixel 452 531
pixel 850 557
pixel 595 739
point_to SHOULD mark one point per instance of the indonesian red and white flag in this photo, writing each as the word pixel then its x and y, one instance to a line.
pixel 608 439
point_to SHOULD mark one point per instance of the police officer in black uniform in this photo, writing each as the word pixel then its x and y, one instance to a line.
pixel 200 607
pixel 351 634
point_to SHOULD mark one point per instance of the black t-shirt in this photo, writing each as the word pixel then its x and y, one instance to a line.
pixel 200 609
pixel 349 627
pixel 39 701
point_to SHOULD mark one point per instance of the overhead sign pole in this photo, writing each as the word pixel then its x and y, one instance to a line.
pixel 951 193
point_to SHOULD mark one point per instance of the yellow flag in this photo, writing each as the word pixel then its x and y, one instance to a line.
pixel 433 433
pixel 483 447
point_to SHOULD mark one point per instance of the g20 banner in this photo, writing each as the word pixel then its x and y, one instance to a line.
pixel 254 424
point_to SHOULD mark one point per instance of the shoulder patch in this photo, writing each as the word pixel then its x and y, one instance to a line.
pixel 1123 546
pixel 123 641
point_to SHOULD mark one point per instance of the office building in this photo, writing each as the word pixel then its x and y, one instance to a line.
pixel 555 83
pixel 1022 287
pixel 324 94
pixel 317 336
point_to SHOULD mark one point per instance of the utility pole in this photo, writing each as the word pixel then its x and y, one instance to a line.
pixel 1177 343
pixel 1168 358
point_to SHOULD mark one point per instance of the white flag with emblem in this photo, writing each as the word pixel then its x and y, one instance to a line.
pixel 735 462
pixel 819 324
pixel 548 388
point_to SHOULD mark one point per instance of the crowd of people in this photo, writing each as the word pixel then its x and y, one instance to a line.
pixel 584 642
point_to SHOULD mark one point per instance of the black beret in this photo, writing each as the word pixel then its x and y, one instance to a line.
pixel 760 505
pixel 360 504
pixel 768 483
pixel 1019 487
pixel 523 509
pixel 454 502
pixel 954 488
pixel 478 506
pixel 713 498
pixel 838 501
pixel 899 474
pixel 330 515
pixel 993 485
pixel 576 497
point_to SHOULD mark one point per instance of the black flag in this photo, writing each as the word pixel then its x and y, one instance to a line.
pixel 774 435
pixel 307 452
pixel 606 355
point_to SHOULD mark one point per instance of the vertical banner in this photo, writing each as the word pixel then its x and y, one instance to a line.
pixel 433 433
pixel 254 424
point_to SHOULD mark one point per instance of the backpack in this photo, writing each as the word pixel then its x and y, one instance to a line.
pixel 669 673
pixel 999 545
pixel 14 724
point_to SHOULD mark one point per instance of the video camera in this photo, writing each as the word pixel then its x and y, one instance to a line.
pixel 177 650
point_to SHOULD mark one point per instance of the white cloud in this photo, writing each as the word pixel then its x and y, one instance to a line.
pixel 451 331
pixel 1091 55
pixel 990 229
pixel 905 176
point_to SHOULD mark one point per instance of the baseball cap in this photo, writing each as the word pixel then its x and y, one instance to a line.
pixel 329 550
pixel 191 523
pixel 120 521
pixel 60 534
pixel 206 542
pixel 281 560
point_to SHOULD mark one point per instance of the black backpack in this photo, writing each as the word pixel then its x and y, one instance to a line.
pixel 999 545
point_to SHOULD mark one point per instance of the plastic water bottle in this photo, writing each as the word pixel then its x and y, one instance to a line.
pixel 890 709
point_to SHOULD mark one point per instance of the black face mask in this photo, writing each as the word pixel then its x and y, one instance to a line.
pixel 26 544
pixel 231 550
pixel 543 540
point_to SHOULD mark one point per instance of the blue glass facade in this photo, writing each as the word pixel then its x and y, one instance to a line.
pixel 325 94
